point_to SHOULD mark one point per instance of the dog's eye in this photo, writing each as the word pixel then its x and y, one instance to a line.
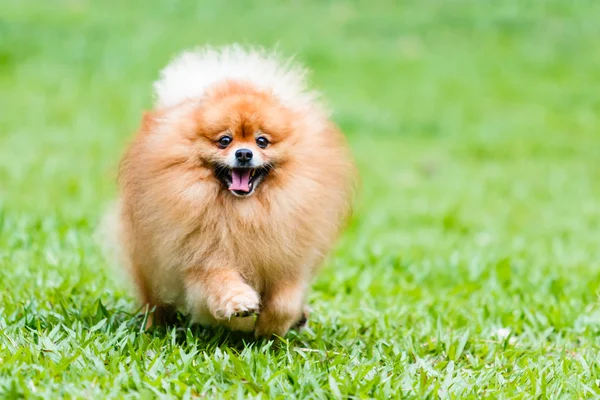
pixel 224 141
pixel 262 142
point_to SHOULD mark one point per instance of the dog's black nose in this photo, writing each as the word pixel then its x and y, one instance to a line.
pixel 243 155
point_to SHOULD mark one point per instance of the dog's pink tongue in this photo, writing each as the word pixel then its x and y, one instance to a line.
pixel 240 180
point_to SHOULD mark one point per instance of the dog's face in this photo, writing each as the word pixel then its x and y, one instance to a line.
pixel 244 138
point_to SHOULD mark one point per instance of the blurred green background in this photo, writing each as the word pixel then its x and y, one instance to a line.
pixel 475 127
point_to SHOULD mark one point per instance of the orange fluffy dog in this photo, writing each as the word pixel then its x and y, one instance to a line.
pixel 233 191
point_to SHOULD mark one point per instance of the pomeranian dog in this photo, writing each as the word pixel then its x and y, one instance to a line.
pixel 233 191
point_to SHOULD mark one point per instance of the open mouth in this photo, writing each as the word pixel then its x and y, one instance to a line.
pixel 242 181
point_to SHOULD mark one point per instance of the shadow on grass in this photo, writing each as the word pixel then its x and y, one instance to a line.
pixel 181 331
pixel 117 323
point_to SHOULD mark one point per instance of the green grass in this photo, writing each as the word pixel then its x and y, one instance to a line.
pixel 471 267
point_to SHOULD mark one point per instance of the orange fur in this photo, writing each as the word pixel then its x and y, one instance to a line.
pixel 192 244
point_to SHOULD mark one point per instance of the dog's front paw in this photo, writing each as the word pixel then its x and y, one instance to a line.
pixel 275 322
pixel 303 321
pixel 240 302
pixel 244 304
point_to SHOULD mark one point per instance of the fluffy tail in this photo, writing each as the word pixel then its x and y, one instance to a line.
pixel 108 237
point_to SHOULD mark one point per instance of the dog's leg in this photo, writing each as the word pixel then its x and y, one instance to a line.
pixel 282 308
pixel 157 313
pixel 162 315
pixel 303 321
pixel 220 292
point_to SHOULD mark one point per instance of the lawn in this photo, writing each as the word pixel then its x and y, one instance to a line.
pixel 471 266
